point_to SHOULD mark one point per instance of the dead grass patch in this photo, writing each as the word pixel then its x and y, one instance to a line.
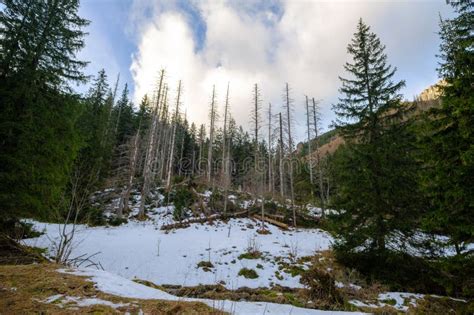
pixel 24 287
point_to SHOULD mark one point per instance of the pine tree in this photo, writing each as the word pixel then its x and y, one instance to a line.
pixel 448 141
pixel 376 175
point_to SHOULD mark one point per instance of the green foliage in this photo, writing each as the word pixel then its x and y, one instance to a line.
pixel 123 118
pixel 38 116
pixel 250 255
pixel 183 198
pixel 116 221
pixel 248 273
pixel 448 138
pixel 375 172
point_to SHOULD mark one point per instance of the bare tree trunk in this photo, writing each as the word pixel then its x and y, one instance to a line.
pixel 173 138
pixel 282 179
pixel 310 152
pixel 318 159
pixel 123 203
pixel 290 152
pixel 150 150
pixel 224 139
pixel 181 150
pixel 225 153
pixel 270 176
pixel 211 134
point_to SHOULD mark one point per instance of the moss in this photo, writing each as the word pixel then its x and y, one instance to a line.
pixel 259 266
pixel 250 255
pixel 248 273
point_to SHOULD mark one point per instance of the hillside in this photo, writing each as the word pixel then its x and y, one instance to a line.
pixel 330 141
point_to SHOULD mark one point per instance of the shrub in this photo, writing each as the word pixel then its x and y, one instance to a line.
pixel 183 198
pixel 116 221
pixel 320 285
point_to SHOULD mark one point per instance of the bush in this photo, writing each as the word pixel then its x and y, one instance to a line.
pixel 400 271
pixel 248 273
pixel 183 198
pixel 17 230
pixel 320 285
pixel 116 221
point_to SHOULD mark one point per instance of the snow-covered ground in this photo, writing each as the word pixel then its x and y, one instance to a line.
pixel 116 285
pixel 141 250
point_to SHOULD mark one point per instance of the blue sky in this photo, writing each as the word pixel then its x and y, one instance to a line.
pixel 245 42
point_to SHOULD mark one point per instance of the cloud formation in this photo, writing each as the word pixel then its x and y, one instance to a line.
pixel 300 42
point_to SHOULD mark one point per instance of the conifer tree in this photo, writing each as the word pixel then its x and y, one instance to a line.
pixel 448 141
pixel 38 114
pixel 376 175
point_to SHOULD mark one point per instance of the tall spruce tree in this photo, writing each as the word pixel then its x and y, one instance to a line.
pixel 375 175
pixel 38 113
pixel 449 141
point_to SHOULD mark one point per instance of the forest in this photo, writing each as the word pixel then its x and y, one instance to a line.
pixel 374 215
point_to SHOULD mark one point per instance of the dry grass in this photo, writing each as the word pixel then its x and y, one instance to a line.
pixel 24 287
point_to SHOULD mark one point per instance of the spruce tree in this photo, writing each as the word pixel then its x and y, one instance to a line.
pixel 38 113
pixel 124 118
pixel 375 172
pixel 448 142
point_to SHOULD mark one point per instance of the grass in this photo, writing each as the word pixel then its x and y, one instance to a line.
pixel 248 273
pixel 205 265
pixel 250 255
pixel 24 287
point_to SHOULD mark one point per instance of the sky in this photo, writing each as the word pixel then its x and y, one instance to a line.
pixel 264 42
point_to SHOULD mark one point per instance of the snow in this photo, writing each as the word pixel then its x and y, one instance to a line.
pixel 141 250
pixel 61 300
pixel 399 298
pixel 113 284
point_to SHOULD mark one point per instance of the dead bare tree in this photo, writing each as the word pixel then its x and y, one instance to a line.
pixel 150 151
pixel 62 247
pixel 289 117
pixel 212 117
pixel 310 152
pixel 173 137
pixel 202 140
pixel 270 169
pixel 133 158
pixel 318 156
pixel 226 152
pixel 281 157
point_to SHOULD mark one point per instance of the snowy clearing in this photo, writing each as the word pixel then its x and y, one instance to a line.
pixel 113 284
pixel 141 250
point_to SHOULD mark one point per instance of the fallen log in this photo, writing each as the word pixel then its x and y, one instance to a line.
pixel 186 223
pixel 279 224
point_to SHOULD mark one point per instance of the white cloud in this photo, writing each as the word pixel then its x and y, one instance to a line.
pixel 306 47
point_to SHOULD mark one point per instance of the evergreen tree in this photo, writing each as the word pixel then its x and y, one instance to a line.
pixel 375 174
pixel 124 118
pixel 95 154
pixel 38 114
pixel 448 142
